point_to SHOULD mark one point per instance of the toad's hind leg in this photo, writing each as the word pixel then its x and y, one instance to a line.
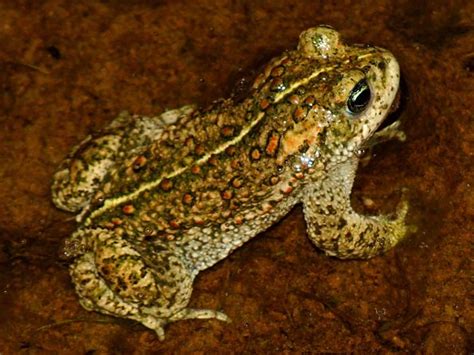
pixel 149 283
pixel 82 172
pixel 336 228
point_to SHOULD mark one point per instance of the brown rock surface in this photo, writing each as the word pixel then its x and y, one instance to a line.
pixel 67 68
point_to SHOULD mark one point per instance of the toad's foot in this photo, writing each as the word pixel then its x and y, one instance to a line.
pixel 336 228
pixel 192 313
pixel 157 324
pixel 390 132
pixel 146 282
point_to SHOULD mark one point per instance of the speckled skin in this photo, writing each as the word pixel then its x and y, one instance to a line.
pixel 163 198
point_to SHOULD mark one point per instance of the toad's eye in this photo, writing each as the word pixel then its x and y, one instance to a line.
pixel 359 97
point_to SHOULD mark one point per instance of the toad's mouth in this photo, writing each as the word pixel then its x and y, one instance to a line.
pixel 390 127
pixel 394 112
pixel 397 107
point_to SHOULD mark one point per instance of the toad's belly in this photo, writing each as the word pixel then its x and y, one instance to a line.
pixel 204 247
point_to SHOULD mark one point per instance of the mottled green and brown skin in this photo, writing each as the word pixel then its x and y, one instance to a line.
pixel 163 198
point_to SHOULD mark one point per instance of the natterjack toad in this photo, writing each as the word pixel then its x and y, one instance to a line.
pixel 163 198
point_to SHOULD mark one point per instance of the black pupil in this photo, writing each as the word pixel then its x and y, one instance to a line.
pixel 359 97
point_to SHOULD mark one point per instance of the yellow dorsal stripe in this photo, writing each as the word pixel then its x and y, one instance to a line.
pixel 111 203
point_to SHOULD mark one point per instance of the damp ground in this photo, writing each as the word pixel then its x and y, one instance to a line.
pixel 67 68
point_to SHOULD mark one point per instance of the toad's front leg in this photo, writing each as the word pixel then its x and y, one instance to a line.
pixel 336 228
